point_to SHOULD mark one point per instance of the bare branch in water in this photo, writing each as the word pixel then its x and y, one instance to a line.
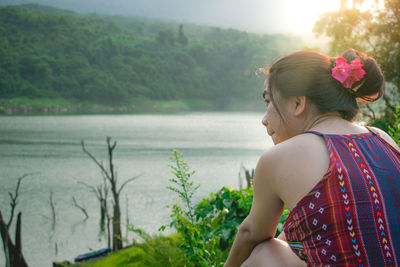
pixel 80 207
pixel 14 197
pixel 53 210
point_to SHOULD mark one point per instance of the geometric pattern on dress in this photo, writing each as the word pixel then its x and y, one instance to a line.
pixel 379 212
pixel 346 215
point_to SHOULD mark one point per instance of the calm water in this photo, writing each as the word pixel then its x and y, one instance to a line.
pixel 214 144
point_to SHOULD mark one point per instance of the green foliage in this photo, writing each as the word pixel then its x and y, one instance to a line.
pixel 114 59
pixel 225 210
pixel 345 32
pixel 154 251
pixel 205 231
pixel 184 187
pixel 199 246
pixel 384 121
pixel 394 129
pixel 182 39
pixel 208 228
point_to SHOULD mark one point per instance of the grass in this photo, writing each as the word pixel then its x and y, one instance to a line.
pixel 155 251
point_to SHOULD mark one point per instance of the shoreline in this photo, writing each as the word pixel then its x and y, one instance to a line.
pixel 43 107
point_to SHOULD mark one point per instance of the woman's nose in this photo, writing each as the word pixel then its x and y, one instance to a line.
pixel 264 120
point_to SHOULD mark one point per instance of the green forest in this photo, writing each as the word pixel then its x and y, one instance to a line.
pixel 49 53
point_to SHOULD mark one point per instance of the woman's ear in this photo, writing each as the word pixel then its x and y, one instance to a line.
pixel 299 105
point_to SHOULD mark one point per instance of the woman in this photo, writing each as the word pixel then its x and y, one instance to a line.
pixel 341 181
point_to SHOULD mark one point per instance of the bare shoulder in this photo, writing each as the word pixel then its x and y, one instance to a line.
pixel 294 149
pixel 293 167
pixel 385 136
pixel 277 159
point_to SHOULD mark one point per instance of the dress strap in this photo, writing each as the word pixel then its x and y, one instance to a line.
pixel 372 130
pixel 314 132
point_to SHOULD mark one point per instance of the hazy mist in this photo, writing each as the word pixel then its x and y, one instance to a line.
pixel 258 16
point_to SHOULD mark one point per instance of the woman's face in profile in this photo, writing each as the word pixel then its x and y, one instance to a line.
pixel 272 120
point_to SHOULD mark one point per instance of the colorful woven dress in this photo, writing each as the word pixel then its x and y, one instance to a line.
pixel 352 216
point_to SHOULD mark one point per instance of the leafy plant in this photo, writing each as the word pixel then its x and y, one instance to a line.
pixel 208 228
pixel 199 246
pixel 394 129
pixel 184 187
pixel 225 211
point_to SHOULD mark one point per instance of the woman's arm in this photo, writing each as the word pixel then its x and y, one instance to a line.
pixel 265 213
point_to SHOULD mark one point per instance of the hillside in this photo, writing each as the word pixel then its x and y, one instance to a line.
pixel 52 53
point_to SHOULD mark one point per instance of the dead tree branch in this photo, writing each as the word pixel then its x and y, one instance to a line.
pixel 110 176
pixel 248 175
pixel 80 207
pixel 104 171
pixel 53 210
pixel 101 193
pixel 14 198
pixel 95 190
pixel 128 181
pixel 13 253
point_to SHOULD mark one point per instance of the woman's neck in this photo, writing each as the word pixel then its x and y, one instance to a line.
pixel 332 123
pixel 324 121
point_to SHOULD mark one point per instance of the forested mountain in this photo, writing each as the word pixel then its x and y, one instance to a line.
pixel 53 53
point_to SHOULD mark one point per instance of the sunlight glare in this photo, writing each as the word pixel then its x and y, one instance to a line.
pixel 370 4
pixel 307 12
pixel 365 5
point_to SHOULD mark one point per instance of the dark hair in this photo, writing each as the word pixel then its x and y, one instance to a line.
pixel 309 73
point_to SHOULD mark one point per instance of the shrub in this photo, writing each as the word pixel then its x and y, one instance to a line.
pixel 199 246
pixel 208 228
pixel 394 128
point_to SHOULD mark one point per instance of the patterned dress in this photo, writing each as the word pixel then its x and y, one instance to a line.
pixel 352 216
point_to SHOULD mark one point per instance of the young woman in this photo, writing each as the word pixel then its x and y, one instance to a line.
pixel 341 181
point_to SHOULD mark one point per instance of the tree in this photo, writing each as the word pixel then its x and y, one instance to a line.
pixel 166 38
pixel 375 31
pixel 182 39
pixel 13 252
pixel 118 60
pixel 101 192
pixel 111 177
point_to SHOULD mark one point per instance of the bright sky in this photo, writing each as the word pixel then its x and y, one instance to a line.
pixel 262 16
pixel 265 16
pixel 299 16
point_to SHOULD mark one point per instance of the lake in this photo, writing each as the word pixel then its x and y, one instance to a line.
pixel 215 144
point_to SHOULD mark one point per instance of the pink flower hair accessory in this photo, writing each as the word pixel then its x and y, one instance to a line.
pixel 347 74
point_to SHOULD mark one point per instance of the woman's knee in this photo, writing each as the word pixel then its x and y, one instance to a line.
pixel 273 252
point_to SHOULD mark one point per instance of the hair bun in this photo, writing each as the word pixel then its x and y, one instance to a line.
pixel 371 86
